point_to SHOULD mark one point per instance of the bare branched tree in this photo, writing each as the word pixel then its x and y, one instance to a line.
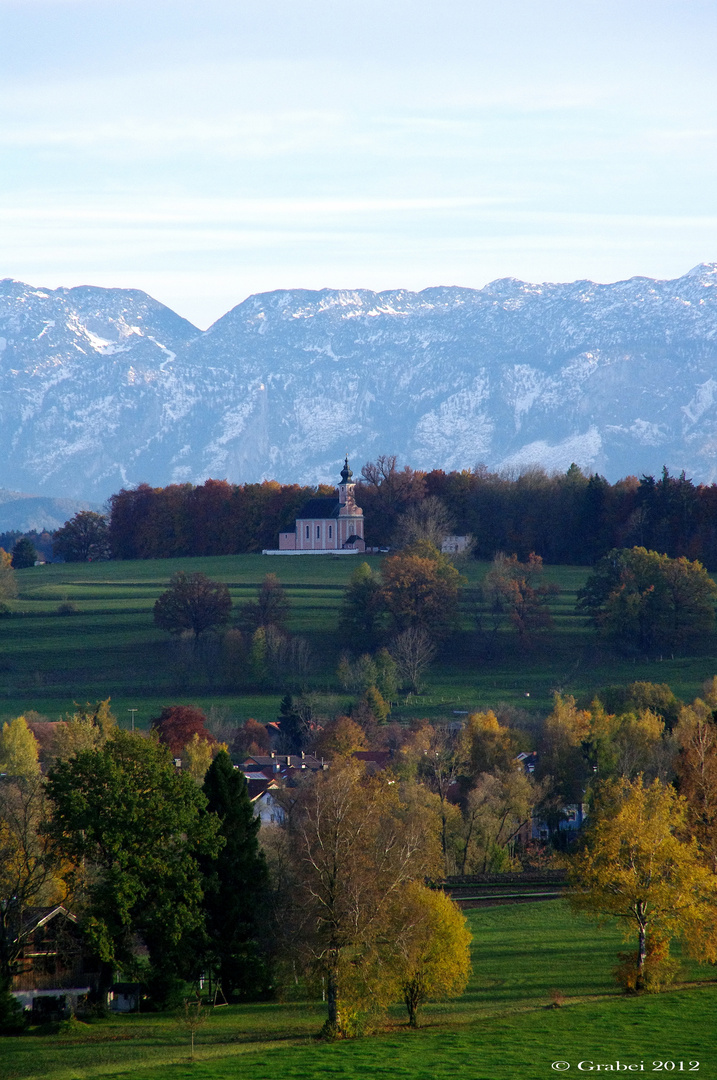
pixel 288 659
pixel 191 1018
pixel 27 865
pixel 426 520
pixel 413 651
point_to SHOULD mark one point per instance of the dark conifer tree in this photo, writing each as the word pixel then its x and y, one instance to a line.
pixel 24 554
pixel 236 887
pixel 362 609
pixel 295 725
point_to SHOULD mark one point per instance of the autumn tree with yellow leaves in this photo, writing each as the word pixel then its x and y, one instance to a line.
pixel 491 745
pixel 341 737
pixel 87 728
pixel 433 947
pixel 8 582
pixel 353 844
pixel 27 863
pixel 18 749
pixel 498 796
pixel 636 867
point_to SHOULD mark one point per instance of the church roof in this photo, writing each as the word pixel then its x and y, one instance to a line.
pixel 346 474
pixel 319 508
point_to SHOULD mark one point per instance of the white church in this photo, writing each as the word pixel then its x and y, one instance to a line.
pixel 326 525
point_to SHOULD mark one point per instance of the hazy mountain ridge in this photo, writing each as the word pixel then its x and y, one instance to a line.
pixel 22 512
pixel 105 387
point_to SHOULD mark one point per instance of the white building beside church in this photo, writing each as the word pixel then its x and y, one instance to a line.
pixel 324 525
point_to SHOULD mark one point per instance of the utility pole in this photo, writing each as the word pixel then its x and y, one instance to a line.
pixel 132 712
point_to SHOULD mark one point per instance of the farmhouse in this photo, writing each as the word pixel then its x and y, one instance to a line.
pixel 326 525
pixel 56 969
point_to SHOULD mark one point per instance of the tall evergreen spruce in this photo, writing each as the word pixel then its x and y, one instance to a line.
pixel 236 886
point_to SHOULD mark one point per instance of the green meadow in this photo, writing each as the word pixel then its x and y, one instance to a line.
pixel 110 647
pixel 526 960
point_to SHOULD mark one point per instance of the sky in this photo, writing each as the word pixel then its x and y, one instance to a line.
pixel 207 151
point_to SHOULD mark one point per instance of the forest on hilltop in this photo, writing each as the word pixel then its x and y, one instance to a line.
pixel 567 519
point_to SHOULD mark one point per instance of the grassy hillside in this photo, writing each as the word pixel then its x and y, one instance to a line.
pixel 502 1028
pixel 110 646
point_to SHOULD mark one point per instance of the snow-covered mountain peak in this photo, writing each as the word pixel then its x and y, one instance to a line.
pixel 104 387
pixel 706 272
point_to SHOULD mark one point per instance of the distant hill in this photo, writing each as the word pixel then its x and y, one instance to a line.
pixel 104 388
pixel 25 513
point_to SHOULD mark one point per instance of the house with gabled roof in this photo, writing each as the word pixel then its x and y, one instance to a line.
pixel 56 969
pixel 266 773
pixel 373 760
pixel 262 795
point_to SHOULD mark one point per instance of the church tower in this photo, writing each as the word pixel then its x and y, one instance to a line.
pixel 346 487
pixel 350 516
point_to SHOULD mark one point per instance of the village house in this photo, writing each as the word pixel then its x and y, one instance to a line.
pixel 266 773
pixel 125 997
pixel 56 971
pixel 373 760
pixel 262 794
pixel 456 545
pixel 569 818
pixel 272 764
pixel 326 525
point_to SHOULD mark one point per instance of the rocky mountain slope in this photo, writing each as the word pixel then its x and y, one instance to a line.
pixel 101 388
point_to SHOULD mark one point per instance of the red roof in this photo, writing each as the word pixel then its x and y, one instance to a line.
pixel 379 758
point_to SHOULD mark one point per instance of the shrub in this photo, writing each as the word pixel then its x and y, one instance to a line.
pixel 12 1016
pixel 661 970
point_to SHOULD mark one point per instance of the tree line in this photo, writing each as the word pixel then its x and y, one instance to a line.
pixel 570 518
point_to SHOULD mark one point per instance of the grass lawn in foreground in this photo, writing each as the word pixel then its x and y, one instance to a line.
pixel 111 647
pixel 503 1027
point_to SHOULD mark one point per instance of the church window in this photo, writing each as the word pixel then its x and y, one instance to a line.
pixel 318 531
pixel 331 531
pixel 308 532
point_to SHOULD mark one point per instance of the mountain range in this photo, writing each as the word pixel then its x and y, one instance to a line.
pixel 104 388
pixel 21 512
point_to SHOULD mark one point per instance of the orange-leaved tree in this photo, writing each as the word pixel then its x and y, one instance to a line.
pixel 513 589
pixel 421 588
pixel 177 724
pixel 8 582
